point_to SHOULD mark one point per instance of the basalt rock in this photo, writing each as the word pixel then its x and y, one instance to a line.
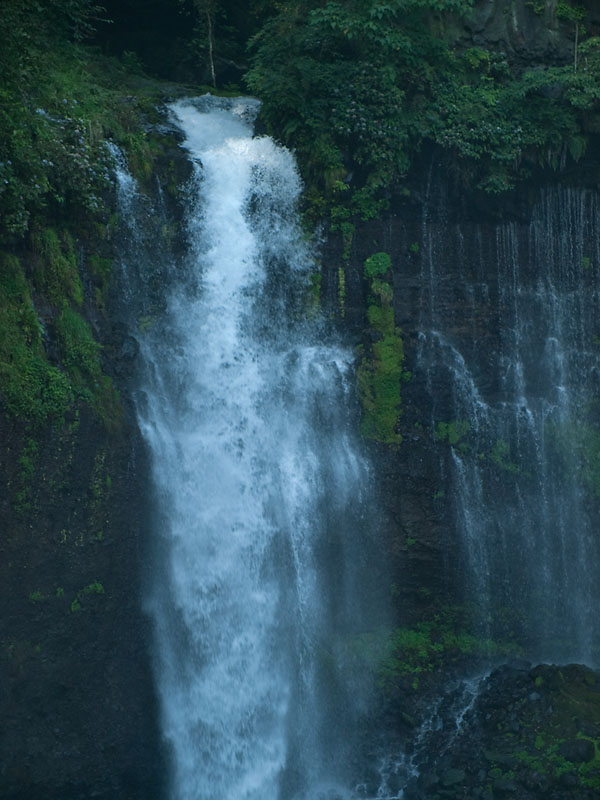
pixel 482 757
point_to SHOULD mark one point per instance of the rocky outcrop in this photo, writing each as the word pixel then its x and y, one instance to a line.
pixel 527 33
pixel 531 733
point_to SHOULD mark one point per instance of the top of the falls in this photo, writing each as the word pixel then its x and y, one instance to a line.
pixel 223 118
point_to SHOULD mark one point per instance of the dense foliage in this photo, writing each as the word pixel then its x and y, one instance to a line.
pixel 59 103
pixel 359 87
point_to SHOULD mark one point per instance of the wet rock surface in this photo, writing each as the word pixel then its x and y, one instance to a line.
pixel 528 733
pixel 78 705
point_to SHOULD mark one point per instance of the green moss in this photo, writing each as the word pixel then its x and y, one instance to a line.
pixel 379 380
pixel 100 269
pixel 24 494
pixel 55 266
pixel 380 374
pixel 142 149
pixel 31 387
pixel 380 317
pixel 81 357
pixel 95 588
pixel 453 432
pixel 342 291
pixel 316 280
pixel 80 351
pixel 430 646
pixel 576 443
pixel 382 291
pixel 377 264
pixel 75 605
pixel 500 456
pixel 538 6
pixel 27 460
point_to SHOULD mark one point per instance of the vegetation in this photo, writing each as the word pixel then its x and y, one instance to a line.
pixel 381 373
pixel 453 433
pixel 359 88
pixel 406 654
pixel 576 443
pixel 500 456
pixel 94 588
pixel 32 388
pixel 557 734
pixel 61 104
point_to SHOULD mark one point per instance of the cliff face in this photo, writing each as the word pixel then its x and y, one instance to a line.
pixel 528 33
pixel 77 692
pixel 495 309
pixel 77 696
pixel 490 504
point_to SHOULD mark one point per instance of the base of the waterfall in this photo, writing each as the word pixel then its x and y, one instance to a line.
pixel 522 731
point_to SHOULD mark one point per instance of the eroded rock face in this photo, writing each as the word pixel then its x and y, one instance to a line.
pixel 526 34
pixel 531 733
pixel 477 289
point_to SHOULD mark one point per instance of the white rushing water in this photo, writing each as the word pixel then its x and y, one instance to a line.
pixel 259 486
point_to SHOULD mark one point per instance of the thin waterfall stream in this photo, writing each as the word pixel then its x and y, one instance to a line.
pixel 515 404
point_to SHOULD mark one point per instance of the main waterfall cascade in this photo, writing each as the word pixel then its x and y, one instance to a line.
pixel 261 486
pixel 265 565
pixel 514 391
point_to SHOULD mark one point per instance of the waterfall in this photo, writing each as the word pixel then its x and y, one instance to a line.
pixel 261 488
pixel 513 388
pixel 265 570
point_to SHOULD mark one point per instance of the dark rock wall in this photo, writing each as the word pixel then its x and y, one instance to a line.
pixel 79 710
pixel 528 733
pixel 451 259
pixel 79 717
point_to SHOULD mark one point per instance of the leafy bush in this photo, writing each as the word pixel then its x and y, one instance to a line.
pixel 359 87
